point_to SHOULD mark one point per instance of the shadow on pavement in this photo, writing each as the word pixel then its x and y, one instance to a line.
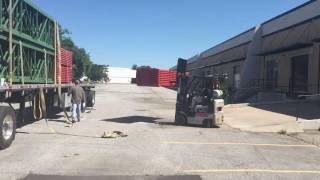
pixel 172 88
pixel 27 118
pixel 308 110
pixel 136 119
pixel 53 115
pixel 146 119
pixel 133 119
pixel 53 177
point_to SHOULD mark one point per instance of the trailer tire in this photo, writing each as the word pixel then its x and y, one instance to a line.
pixel 91 99
pixel 181 120
pixel 7 126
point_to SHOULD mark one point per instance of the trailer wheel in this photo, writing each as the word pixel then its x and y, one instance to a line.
pixel 91 99
pixel 180 120
pixel 207 123
pixel 7 126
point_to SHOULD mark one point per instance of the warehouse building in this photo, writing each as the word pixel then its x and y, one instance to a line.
pixel 118 75
pixel 277 59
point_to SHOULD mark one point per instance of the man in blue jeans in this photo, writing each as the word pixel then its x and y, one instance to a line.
pixel 77 97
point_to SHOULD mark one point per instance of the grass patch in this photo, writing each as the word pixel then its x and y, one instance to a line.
pixel 282 131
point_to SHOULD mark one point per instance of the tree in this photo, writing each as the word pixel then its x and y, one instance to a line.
pixel 147 67
pixel 98 72
pixel 82 63
pixel 134 67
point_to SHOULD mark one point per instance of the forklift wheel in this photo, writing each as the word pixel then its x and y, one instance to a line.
pixel 180 120
pixel 207 123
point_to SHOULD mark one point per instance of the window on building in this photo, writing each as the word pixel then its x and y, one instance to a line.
pixel 236 77
pixel 299 73
pixel 271 77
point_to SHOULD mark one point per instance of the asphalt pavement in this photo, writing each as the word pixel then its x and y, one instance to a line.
pixel 155 148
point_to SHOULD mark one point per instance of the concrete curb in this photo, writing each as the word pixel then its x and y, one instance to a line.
pixel 237 105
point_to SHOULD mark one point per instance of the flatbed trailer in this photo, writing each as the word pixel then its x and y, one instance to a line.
pixel 54 97
pixel 31 66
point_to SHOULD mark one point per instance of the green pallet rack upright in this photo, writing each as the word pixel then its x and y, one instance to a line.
pixel 27 43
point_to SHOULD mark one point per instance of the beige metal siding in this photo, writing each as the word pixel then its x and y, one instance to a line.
pixel 304 33
pixel 284 65
pixel 229 55
pixel 298 15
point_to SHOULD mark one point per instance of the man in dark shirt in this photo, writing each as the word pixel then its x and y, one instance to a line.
pixel 77 97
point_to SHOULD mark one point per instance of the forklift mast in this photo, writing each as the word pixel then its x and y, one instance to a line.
pixel 190 86
pixel 181 82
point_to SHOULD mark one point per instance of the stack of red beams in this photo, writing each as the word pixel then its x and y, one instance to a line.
pixel 147 77
pixel 155 77
pixel 167 78
pixel 66 66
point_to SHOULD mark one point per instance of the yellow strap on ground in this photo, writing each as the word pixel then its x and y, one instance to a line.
pixel 68 121
pixel 243 144
pixel 249 171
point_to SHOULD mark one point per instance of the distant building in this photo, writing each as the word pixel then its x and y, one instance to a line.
pixel 120 75
pixel 279 57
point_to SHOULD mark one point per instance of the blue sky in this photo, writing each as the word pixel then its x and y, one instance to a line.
pixel 156 32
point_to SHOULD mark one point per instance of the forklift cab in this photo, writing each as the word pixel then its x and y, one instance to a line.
pixel 199 101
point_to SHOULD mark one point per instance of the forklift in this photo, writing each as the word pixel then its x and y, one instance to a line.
pixel 199 98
